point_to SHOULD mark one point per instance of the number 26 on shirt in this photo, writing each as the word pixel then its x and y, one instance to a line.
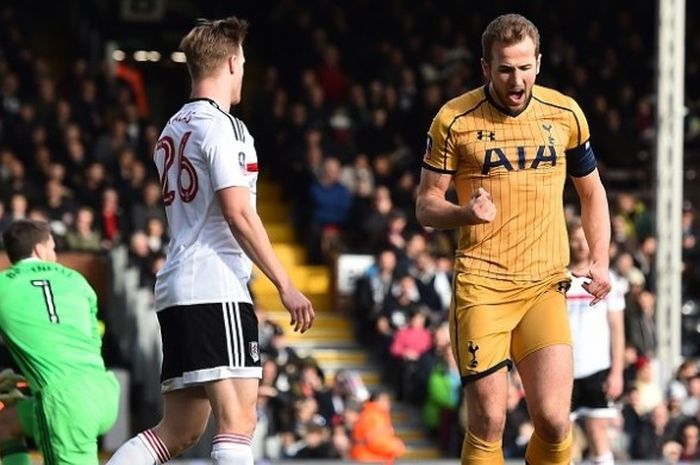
pixel 186 190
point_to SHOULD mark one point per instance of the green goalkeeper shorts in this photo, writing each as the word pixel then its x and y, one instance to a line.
pixel 66 417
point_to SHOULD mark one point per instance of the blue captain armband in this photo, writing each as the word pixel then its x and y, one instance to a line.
pixel 580 161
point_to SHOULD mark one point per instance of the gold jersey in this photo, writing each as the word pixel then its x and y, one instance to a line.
pixel 521 160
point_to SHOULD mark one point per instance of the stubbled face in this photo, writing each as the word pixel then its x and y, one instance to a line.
pixel 511 73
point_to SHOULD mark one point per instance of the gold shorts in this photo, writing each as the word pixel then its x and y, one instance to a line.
pixel 494 321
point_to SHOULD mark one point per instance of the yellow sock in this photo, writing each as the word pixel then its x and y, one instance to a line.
pixel 476 451
pixel 541 452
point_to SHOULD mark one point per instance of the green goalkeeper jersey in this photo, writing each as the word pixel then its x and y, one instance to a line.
pixel 48 320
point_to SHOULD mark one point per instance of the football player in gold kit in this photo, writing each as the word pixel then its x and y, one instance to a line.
pixel 508 147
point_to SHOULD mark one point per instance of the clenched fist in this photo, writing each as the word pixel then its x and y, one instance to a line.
pixel 480 208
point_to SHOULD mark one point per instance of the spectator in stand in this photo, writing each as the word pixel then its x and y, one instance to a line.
pixel 347 387
pixel 316 443
pixel 377 140
pixel 676 418
pixel 431 285
pixel 133 190
pixel 631 415
pixel 109 145
pixel 59 206
pixel 311 384
pixel 125 163
pixel 42 164
pixel 272 410
pixel 371 291
pixel 151 206
pixel 18 183
pixel 395 236
pixel 330 204
pixel 304 411
pixel 401 301
pixel 650 395
pixel 331 76
pixel 689 438
pixel 442 398
pixel 112 221
pixel 373 437
pixel 18 207
pixel 651 435
pixel 83 236
pixel 87 108
pixel 408 345
pixel 286 358
pixel 374 225
pixel 140 256
pixel 690 404
pixel 358 177
pixel 90 191
pixel 340 439
pixel 76 164
pixel 679 385
pixel 640 326
pixel 156 234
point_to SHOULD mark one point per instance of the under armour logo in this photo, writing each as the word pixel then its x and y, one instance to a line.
pixel 473 349
pixel 563 286
pixel 489 135
pixel 548 128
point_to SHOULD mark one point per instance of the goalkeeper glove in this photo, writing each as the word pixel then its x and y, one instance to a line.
pixel 9 380
pixel 8 399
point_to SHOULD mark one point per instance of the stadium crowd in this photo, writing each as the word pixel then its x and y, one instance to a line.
pixel 340 115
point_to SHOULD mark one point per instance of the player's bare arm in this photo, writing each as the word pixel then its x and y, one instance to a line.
pixel 614 384
pixel 595 219
pixel 250 233
pixel 434 210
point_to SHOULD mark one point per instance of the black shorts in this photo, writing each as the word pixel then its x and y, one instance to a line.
pixel 588 398
pixel 208 342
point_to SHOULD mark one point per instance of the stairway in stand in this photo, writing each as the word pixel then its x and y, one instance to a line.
pixel 330 341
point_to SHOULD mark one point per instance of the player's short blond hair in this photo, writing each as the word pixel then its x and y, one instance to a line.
pixel 508 29
pixel 209 43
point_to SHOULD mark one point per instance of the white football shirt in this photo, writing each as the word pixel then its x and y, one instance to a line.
pixel 201 150
pixel 589 327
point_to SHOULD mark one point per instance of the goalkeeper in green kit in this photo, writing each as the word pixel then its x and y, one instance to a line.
pixel 48 320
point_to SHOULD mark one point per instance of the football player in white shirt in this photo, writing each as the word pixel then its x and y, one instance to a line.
pixel 598 335
pixel 208 170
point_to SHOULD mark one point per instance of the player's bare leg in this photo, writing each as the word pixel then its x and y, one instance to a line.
pixel 486 412
pixel 547 377
pixel 185 416
pixel 13 448
pixel 233 403
pixel 598 441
